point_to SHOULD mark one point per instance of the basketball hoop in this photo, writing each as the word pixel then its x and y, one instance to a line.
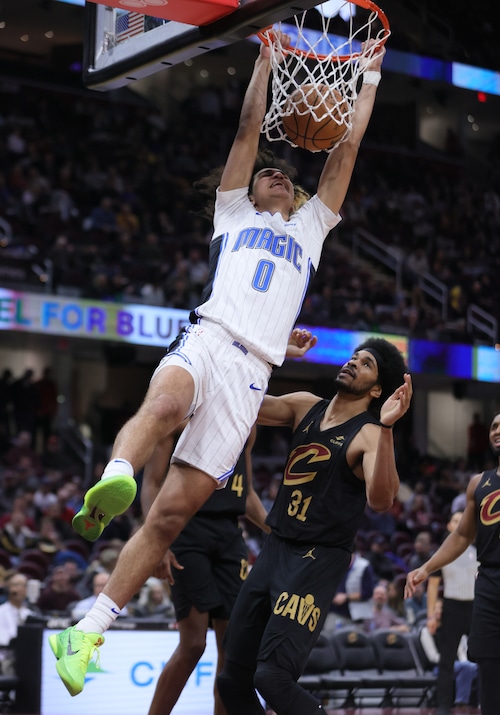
pixel 319 57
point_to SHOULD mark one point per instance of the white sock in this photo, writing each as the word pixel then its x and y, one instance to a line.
pixel 118 466
pixel 100 617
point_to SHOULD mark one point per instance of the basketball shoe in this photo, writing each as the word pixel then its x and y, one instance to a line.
pixel 105 500
pixel 73 650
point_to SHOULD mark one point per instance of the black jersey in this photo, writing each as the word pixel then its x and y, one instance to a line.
pixel 320 500
pixel 487 497
pixel 230 501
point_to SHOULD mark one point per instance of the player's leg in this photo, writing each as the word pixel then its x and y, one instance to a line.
pixel 167 402
pixel 303 589
pixel 230 570
pixel 175 674
pixel 242 640
pixel 453 624
pixel 488 671
pixel 182 494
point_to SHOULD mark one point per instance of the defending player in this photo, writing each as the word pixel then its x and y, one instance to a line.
pixel 480 523
pixel 212 556
pixel 341 457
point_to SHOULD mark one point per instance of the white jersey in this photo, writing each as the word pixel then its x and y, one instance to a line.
pixel 260 269
pixel 459 577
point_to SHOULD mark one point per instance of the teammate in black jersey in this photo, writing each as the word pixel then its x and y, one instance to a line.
pixel 480 522
pixel 341 457
pixel 211 558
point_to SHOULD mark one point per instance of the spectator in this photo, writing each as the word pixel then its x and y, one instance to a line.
pixel 383 567
pixel 55 458
pixel 418 515
pixel 13 613
pixel 22 447
pixel 102 217
pixel 352 601
pixel 423 550
pixel 154 601
pixel 80 608
pixel 416 606
pixel 58 593
pixel 16 536
pixel 395 596
pixel 382 616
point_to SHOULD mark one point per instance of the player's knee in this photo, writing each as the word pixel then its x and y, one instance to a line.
pixel 192 651
pixel 167 409
pixel 281 692
pixel 235 685
pixel 273 683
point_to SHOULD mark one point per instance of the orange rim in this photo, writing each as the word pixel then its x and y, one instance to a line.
pixel 367 5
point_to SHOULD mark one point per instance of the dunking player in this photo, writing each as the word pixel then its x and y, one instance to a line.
pixel 341 457
pixel 480 522
pixel 213 556
pixel 262 257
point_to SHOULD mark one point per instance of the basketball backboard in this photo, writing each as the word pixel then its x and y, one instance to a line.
pixel 122 46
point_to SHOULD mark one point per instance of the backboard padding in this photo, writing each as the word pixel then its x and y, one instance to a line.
pixel 170 43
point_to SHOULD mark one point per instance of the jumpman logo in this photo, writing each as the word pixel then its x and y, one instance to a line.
pixel 310 554
pixel 487 483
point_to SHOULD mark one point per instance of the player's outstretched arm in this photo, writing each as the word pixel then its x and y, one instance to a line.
pixel 379 462
pixel 241 160
pixel 454 544
pixel 254 509
pixel 336 175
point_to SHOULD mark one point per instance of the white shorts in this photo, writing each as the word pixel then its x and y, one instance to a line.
pixel 229 386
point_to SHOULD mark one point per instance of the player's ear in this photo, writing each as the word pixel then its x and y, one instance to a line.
pixel 376 391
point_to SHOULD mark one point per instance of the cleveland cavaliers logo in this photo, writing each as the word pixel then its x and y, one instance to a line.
pixel 489 512
pixel 305 456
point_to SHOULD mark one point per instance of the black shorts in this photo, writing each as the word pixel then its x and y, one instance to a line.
pixel 484 635
pixel 215 559
pixel 283 604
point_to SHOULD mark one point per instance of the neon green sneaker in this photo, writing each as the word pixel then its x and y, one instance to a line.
pixel 105 500
pixel 74 650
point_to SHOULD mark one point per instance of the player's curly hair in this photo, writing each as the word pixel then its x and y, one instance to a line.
pixel 207 186
pixel 391 368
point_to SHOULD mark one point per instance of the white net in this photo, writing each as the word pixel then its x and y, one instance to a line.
pixel 329 62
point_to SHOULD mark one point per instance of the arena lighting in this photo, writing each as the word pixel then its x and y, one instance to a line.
pixel 337 7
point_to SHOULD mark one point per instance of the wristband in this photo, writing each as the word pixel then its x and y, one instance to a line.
pixel 386 426
pixel 372 77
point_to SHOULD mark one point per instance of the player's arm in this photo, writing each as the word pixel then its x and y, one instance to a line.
pixel 453 546
pixel 240 162
pixel 300 342
pixel 285 410
pixel 378 464
pixel 337 172
pixel 254 511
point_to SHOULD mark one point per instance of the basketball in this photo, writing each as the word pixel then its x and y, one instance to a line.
pixel 309 125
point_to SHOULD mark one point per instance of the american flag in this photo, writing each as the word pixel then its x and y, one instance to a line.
pixel 128 25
